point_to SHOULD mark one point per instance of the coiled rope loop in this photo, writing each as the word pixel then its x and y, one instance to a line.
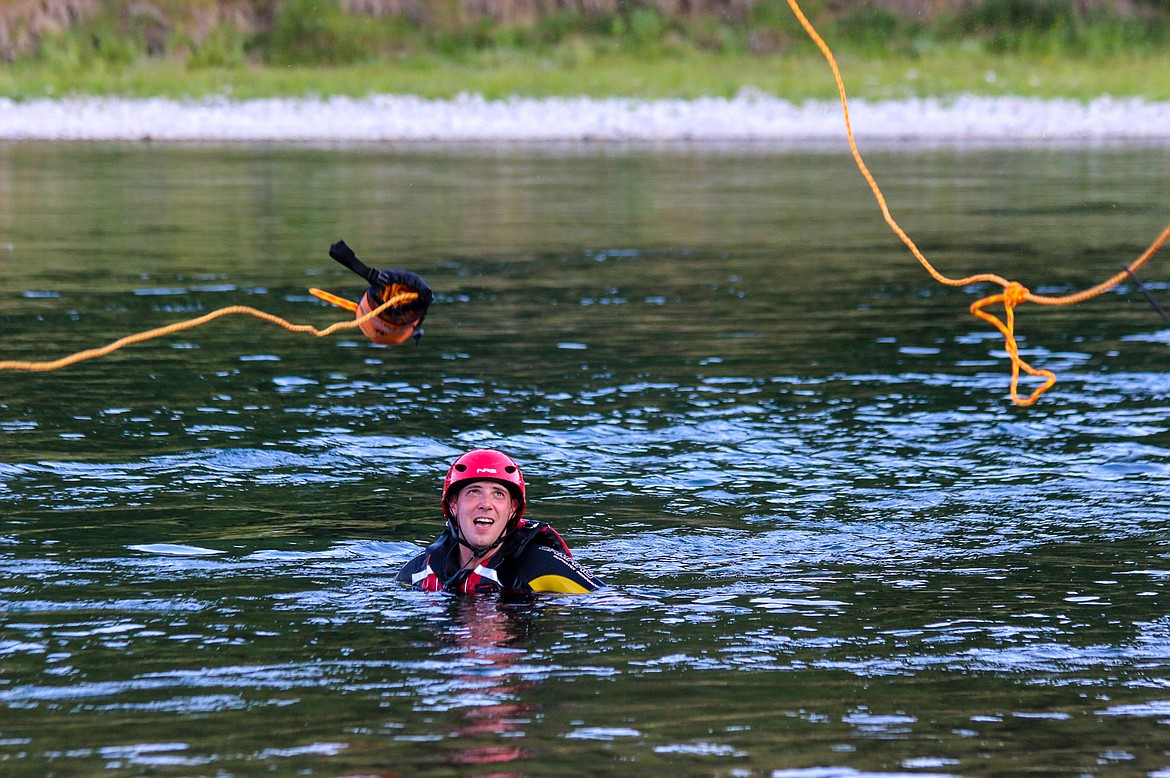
pixel 1014 294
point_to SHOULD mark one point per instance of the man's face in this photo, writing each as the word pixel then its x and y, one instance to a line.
pixel 482 510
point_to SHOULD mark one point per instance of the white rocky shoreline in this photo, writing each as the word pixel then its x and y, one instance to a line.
pixel 748 117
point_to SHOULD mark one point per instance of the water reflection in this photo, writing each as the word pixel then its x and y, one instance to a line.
pixel 484 642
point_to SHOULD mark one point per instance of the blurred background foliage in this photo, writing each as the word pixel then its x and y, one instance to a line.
pixel 79 34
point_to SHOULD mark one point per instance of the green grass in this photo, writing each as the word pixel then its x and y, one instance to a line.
pixel 1042 48
pixel 797 75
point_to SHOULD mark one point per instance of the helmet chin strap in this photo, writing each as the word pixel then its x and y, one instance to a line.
pixel 453 583
pixel 479 552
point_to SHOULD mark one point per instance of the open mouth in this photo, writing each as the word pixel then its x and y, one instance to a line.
pixel 484 521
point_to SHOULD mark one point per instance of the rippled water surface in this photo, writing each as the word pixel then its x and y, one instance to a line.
pixel 833 546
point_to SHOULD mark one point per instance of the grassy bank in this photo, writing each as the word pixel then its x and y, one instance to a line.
pixel 1042 48
pixel 794 76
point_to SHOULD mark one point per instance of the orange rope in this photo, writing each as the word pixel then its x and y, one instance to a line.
pixel 92 353
pixel 1013 293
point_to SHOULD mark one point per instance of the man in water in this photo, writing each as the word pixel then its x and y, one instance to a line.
pixel 487 546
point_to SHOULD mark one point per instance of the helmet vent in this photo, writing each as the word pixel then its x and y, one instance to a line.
pixel 461 468
pixel 509 469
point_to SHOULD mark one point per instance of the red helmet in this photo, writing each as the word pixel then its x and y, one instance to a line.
pixel 484 464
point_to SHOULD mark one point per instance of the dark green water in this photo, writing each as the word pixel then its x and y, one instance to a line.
pixel 834 547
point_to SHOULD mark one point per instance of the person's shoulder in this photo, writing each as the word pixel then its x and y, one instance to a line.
pixel 550 569
pixel 427 557
pixel 415 565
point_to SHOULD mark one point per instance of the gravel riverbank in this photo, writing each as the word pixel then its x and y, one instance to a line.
pixel 748 117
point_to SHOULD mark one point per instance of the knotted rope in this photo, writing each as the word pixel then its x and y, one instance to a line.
pixel 1013 293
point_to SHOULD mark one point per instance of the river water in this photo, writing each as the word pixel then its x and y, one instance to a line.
pixel 833 547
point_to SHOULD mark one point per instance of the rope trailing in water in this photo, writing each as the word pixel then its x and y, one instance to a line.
pixel 1013 293
pixel 80 356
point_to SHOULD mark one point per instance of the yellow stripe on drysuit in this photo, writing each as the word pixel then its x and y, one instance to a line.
pixel 556 583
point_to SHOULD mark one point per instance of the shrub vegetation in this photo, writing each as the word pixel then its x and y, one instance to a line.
pixel 647 48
